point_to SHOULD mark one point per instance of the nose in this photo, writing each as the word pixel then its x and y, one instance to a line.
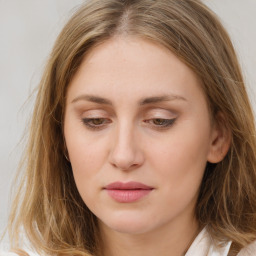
pixel 125 151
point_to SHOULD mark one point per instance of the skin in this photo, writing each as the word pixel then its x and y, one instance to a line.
pixel 124 140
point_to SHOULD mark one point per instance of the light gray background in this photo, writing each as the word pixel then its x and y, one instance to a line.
pixel 28 29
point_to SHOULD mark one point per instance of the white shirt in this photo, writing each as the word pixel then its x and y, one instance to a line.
pixel 203 245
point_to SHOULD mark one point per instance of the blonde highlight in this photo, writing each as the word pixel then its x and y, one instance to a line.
pixel 48 205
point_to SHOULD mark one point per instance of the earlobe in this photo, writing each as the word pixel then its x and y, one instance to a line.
pixel 220 139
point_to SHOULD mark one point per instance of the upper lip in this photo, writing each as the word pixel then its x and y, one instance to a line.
pixel 132 185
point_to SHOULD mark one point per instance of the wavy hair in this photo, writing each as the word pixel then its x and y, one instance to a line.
pixel 48 207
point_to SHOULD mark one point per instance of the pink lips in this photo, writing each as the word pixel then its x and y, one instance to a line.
pixel 127 192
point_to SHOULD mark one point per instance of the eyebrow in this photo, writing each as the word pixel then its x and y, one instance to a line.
pixel 149 100
pixel 157 99
pixel 92 98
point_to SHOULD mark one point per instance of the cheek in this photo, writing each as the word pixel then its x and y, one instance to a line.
pixel 87 156
pixel 86 165
pixel 86 159
pixel 181 158
pixel 179 174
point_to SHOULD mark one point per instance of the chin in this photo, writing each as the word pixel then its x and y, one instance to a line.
pixel 130 228
pixel 128 224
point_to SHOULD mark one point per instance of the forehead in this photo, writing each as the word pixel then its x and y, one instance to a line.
pixel 135 67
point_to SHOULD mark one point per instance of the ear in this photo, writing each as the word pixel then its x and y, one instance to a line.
pixel 65 150
pixel 220 139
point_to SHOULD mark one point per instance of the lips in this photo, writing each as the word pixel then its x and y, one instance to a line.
pixel 127 192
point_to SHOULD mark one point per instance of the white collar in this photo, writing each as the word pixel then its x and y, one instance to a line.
pixel 204 245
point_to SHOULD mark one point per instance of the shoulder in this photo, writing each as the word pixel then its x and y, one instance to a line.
pixel 249 250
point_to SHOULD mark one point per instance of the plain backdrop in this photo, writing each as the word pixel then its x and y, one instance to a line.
pixel 28 29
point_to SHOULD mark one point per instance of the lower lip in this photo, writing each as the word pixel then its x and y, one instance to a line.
pixel 128 196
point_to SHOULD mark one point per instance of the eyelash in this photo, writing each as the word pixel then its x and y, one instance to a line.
pixel 162 123
pixel 88 122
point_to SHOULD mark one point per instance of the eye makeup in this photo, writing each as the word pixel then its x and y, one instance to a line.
pixel 155 118
pixel 161 122
pixel 96 123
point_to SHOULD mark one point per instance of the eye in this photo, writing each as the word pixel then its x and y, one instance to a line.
pixel 95 123
pixel 161 122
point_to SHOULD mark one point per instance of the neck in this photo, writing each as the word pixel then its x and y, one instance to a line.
pixel 170 239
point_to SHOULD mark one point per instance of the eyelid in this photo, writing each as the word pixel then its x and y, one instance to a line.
pixel 163 123
pixel 160 118
pixel 160 113
pixel 94 113
pixel 88 122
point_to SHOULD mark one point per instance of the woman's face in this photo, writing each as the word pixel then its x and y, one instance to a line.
pixel 138 134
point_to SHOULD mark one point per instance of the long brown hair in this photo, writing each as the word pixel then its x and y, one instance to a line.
pixel 48 207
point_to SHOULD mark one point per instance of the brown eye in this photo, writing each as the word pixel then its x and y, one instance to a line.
pixel 163 122
pixel 160 122
pixel 95 123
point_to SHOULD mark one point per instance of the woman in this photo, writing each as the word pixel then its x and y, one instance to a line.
pixel 142 140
